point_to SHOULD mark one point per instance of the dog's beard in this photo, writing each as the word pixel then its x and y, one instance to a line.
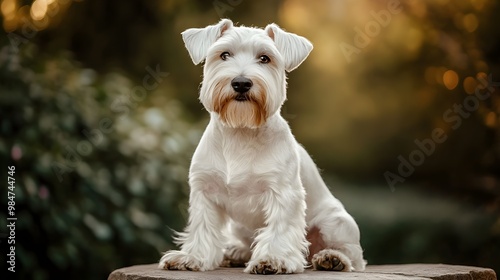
pixel 249 113
pixel 241 114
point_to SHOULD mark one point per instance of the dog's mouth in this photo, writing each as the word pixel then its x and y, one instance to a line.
pixel 241 97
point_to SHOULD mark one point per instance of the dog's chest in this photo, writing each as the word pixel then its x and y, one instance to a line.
pixel 247 169
pixel 246 188
pixel 244 200
pixel 250 174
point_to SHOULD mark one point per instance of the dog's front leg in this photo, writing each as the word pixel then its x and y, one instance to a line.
pixel 202 241
pixel 281 245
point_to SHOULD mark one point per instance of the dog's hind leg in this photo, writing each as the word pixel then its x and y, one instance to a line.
pixel 332 232
pixel 335 244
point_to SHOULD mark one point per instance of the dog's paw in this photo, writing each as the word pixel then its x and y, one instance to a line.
pixel 236 256
pixel 178 260
pixel 329 259
pixel 266 267
pixel 273 266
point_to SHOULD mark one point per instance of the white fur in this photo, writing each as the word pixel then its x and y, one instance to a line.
pixel 251 176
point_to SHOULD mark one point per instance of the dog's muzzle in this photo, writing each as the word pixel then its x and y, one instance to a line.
pixel 241 85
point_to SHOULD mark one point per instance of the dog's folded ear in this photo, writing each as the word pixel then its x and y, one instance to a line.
pixel 293 48
pixel 199 40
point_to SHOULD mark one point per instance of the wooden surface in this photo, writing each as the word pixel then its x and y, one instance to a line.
pixel 375 272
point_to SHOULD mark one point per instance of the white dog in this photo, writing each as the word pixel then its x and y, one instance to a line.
pixel 256 197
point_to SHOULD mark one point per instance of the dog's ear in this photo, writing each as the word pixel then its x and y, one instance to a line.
pixel 199 40
pixel 293 48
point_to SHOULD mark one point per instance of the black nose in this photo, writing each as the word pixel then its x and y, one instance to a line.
pixel 241 84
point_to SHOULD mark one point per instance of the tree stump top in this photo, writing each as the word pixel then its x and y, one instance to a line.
pixel 372 272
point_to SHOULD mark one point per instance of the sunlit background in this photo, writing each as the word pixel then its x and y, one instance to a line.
pixel 398 104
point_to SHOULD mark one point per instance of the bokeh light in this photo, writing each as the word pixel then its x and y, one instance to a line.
pixel 450 79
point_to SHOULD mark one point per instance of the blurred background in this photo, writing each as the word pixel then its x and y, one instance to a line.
pixel 398 104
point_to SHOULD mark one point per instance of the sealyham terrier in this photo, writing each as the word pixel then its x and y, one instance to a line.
pixel 256 196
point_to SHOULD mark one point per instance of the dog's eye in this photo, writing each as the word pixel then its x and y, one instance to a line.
pixel 264 59
pixel 224 55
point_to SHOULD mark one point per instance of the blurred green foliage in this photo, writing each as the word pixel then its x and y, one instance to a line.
pixel 88 200
pixel 101 166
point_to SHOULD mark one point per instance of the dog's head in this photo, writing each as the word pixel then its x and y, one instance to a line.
pixel 244 79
